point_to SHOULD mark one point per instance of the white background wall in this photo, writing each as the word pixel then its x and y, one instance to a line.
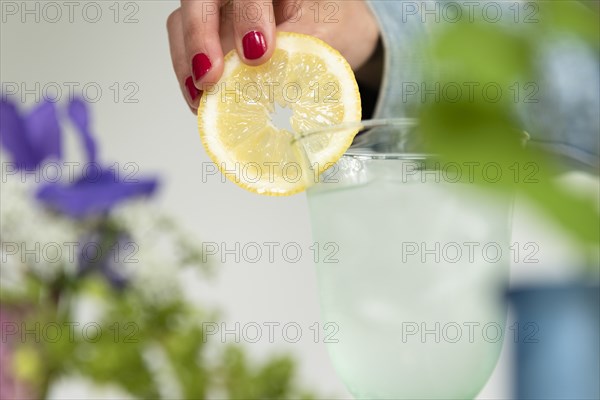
pixel 159 134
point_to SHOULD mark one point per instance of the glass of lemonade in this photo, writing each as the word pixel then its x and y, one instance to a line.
pixel 415 271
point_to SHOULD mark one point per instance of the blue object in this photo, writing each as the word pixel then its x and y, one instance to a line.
pixel 559 356
pixel 93 195
pixel 79 115
pixel 30 138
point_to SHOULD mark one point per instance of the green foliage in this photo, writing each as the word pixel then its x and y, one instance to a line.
pixel 272 380
pixel 478 130
pixel 569 18
pixel 133 326
pixel 481 52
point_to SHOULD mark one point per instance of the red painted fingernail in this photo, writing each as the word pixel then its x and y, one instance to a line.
pixel 200 65
pixel 254 45
pixel 192 89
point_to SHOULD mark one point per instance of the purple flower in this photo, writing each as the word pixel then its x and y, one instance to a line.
pixel 80 118
pixel 30 139
pixel 96 193
pixel 93 195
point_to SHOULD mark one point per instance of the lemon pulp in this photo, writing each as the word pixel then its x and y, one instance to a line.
pixel 240 119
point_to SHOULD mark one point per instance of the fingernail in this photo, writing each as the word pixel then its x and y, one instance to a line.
pixel 254 45
pixel 200 65
pixel 191 88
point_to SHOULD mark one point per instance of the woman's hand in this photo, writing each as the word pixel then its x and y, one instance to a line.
pixel 202 31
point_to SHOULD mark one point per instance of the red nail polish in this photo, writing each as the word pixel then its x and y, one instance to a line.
pixel 200 65
pixel 254 45
pixel 192 89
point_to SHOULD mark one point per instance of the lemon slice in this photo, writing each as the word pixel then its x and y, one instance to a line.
pixel 307 85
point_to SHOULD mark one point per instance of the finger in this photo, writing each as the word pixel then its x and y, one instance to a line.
pixel 180 64
pixel 355 44
pixel 200 21
pixel 288 11
pixel 254 29
pixel 300 17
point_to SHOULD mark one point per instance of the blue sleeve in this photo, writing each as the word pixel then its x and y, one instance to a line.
pixel 562 116
pixel 400 28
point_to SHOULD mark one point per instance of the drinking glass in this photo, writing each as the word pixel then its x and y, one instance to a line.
pixel 414 265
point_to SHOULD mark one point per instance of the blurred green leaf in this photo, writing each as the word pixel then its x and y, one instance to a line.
pixel 272 380
pixel 479 130
pixel 184 347
pixel 480 53
pixel 560 17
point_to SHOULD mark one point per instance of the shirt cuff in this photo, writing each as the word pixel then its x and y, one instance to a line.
pixel 401 30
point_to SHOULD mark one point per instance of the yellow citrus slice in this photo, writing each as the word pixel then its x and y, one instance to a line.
pixel 252 122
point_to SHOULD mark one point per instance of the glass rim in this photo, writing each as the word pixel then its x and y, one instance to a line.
pixel 364 126
pixel 360 125
pixel 355 150
pixel 359 149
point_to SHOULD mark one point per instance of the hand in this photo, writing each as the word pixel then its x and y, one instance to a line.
pixel 201 31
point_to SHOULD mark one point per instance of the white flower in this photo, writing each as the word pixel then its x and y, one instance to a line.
pixel 31 236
